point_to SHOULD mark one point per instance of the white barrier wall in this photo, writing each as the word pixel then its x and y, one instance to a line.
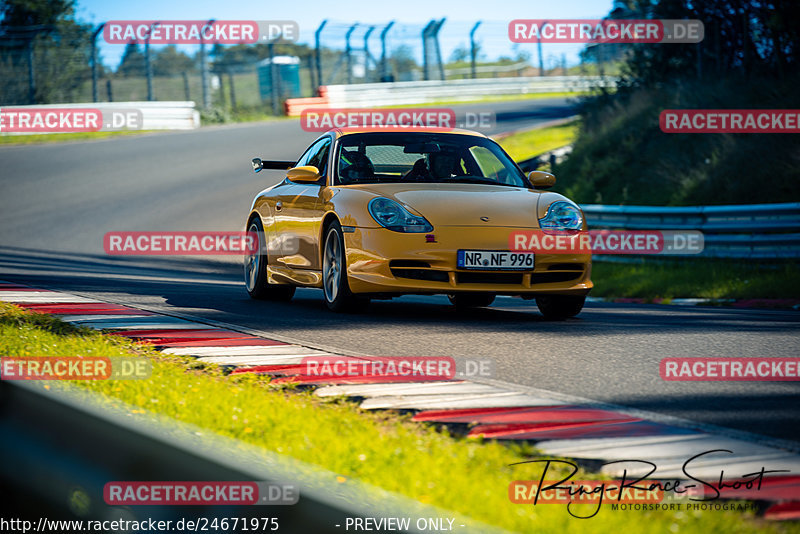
pixel 153 115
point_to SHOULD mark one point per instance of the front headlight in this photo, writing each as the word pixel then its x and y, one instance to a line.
pixel 562 215
pixel 392 215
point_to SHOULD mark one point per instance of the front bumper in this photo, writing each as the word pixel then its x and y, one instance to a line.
pixel 382 261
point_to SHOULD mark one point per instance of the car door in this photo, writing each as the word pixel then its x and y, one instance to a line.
pixel 298 212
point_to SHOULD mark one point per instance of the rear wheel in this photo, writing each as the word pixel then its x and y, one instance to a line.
pixel 338 296
pixel 471 300
pixel 255 271
pixel 560 306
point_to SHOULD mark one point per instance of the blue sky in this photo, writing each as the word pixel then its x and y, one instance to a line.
pixel 412 14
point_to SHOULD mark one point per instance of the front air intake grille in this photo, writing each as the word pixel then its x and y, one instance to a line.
pixel 489 278
pixel 565 267
pixel 421 274
pixel 550 278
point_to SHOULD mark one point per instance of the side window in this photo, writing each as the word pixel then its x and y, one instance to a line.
pixel 320 159
pixel 316 155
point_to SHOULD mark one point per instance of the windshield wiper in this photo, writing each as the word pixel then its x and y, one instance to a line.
pixel 475 180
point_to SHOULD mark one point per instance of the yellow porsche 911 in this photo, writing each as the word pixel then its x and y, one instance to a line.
pixel 376 214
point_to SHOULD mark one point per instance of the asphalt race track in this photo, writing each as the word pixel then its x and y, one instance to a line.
pixel 60 199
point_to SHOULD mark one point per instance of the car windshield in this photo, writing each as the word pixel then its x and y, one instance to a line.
pixel 424 157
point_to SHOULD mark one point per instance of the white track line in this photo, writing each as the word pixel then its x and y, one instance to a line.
pixel 419 388
pixel 733 466
pixel 44 297
pixel 290 358
pixel 683 448
pixel 441 402
pixel 78 319
pixel 144 326
pixel 257 350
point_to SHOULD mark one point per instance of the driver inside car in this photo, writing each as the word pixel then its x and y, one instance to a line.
pixel 439 165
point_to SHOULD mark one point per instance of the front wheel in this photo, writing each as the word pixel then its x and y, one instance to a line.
pixel 465 301
pixel 338 296
pixel 560 306
pixel 255 271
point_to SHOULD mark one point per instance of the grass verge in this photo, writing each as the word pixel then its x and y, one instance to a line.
pixel 696 277
pixel 35 139
pixel 524 145
pixel 383 448
pixel 493 98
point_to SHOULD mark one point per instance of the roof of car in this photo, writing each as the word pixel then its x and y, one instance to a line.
pixel 404 129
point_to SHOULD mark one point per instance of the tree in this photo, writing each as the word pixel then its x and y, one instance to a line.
pixel 132 63
pixel 460 54
pixel 741 36
pixel 47 33
pixel 169 61
pixel 16 13
pixel 402 61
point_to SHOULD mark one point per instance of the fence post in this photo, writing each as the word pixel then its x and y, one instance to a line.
pixel 233 91
pixel 318 53
pixel 94 60
pixel 204 67
pixel 473 50
pixel 384 59
pixel 539 46
pixel 221 77
pixel 367 55
pixel 186 85
pixel 273 79
pixel 31 75
pixel 108 90
pixel 435 34
pixel 425 32
pixel 347 53
pixel 148 68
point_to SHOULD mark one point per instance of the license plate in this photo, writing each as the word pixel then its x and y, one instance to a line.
pixel 491 260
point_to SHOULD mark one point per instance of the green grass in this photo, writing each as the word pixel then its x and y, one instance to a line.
pixel 703 278
pixel 383 448
pixel 524 145
pixel 34 139
pixel 492 98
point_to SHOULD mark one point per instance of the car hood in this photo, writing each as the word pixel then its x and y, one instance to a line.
pixel 466 204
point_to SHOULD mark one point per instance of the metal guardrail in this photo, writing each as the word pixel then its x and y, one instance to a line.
pixel 424 92
pixel 155 115
pixel 552 157
pixel 733 231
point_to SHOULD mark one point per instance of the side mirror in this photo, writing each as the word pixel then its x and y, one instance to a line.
pixel 257 164
pixel 541 179
pixel 304 174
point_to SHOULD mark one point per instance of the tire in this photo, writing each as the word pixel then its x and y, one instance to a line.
pixel 255 271
pixel 335 289
pixel 559 307
pixel 464 301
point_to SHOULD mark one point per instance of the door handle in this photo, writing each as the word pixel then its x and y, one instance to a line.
pixel 279 205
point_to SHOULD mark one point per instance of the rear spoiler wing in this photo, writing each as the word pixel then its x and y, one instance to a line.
pixel 261 164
